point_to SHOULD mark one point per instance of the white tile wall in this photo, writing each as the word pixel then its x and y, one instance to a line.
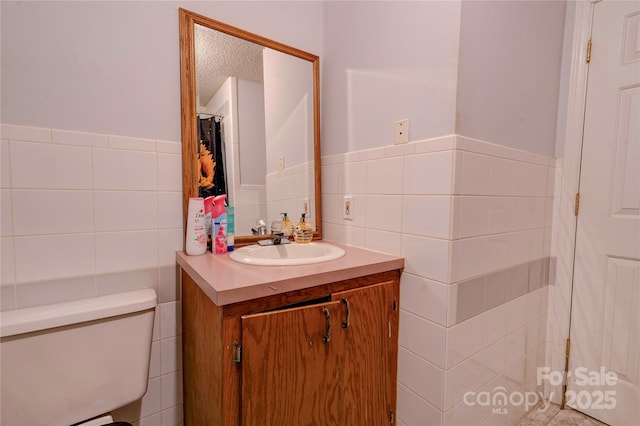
pixel 48 166
pixel 126 210
pixel 86 214
pixel 52 211
pixel 457 209
pixel 286 191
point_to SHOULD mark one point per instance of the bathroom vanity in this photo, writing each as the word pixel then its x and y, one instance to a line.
pixel 308 344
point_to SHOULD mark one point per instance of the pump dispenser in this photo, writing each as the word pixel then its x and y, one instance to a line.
pixel 303 232
pixel 287 226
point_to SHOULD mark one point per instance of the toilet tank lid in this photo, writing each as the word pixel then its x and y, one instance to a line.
pixel 56 315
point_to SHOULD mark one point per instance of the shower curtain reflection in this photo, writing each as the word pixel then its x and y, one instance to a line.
pixel 211 155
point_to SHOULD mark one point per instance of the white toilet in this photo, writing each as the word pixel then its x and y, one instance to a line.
pixel 66 363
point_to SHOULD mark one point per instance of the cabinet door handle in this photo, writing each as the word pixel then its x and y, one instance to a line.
pixel 347 321
pixel 327 335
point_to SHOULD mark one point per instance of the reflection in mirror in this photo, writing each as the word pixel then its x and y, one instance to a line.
pixel 254 135
pixel 263 102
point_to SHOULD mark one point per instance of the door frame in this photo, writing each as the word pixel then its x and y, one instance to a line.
pixel 564 235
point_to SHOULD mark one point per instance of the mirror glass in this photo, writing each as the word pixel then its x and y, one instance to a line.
pixel 250 117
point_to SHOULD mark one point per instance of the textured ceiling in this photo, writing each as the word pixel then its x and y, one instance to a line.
pixel 219 56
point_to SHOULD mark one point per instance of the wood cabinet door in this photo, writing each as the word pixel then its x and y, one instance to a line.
pixel 369 383
pixel 292 376
pixel 291 365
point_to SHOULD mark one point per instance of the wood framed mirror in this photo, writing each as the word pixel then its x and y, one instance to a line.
pixel 291 105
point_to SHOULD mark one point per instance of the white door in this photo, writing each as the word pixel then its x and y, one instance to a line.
pixel 605 318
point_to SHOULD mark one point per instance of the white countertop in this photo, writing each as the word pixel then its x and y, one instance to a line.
pixel 226 281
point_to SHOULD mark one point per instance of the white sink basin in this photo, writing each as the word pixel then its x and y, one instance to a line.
pixel 287 254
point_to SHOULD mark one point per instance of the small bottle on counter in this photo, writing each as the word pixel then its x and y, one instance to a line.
pixel 287 226
pixel 303 232
pixel 196 238
pixel 231 227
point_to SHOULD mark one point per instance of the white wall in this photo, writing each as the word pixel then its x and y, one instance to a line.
pixel 509 72
pixel 386 61
pixel 251 135
pixel 487 70
pixel 288 109
pixel 113 67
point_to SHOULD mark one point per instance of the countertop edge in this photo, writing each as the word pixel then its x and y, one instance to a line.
pixel 335 271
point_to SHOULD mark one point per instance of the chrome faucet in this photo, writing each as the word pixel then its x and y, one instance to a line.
pixel 277 238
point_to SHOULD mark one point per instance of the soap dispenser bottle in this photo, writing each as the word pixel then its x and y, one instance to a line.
pixel 303 232
pixel 287 226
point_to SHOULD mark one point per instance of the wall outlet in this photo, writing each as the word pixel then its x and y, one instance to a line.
pixel 401 131
pixel 305 206
pixel 347 208
pixel 281 164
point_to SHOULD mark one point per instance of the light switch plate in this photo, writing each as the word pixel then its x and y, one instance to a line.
pixel 401 131
pixel 305 206
pixel 347 207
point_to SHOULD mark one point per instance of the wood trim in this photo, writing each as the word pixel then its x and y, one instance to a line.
pixel 316 148
pixel 203 355
pixel 231 377
pixel 290 298
pixel 188 109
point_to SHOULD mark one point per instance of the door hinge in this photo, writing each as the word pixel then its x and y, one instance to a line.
pixel 391 417
pixel 589 51
pixel 395 305
pixel 567 351
pixel 236 353
pixel 577 205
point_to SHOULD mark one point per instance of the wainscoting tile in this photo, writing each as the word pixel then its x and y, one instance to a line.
pixel 426 257
pixel 120 282
pixel 7 297
pixel 413 410
pixel 421 377
pixel 52 212
pixel 428 174
pixel 352 178
pixel 126 210
pixel 329 179
pixel 470 216
pixel 7 269
pixel 382 212
pixel 169 147
pixel 475 179
pixel 471 295
pixel 5 165
pixel 66 137
pixel 169 172
pixel 6 215
pixel 56 291
pixel 496 289
pixel 58 256
pixel 170 210
pixel 134 144
pixel 423 338
pixel 384 176
pixel 25 133
pixel 425 215
pixel 383 241
pixel 425 298
pixel 125 170
pixel 130 250
pixel 169 284
pixel 44 166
